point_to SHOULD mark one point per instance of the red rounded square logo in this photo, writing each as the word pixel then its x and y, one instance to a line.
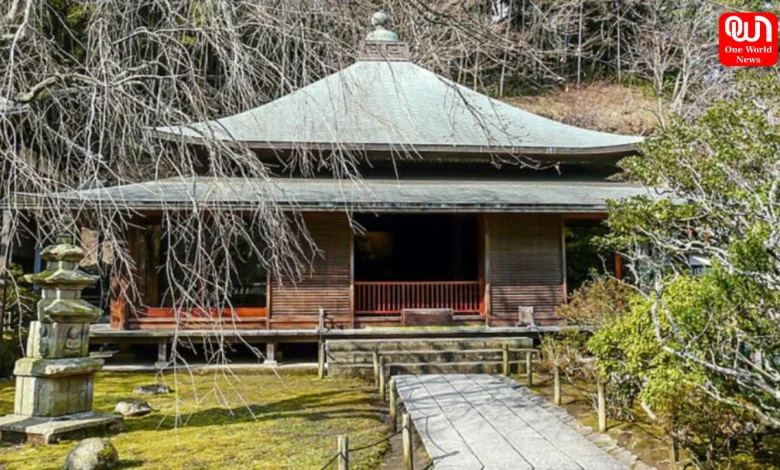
pixel 748 39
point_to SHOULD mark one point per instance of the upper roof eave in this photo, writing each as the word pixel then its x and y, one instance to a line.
pixel 546 153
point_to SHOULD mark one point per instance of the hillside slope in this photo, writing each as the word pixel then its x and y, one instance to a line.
pixel 600 106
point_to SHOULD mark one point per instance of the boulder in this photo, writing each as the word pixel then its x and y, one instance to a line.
pixel 92 454
pixel 133 408
pixel 154 389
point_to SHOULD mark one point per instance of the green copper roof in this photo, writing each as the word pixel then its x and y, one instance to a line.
pixel 381 195
pixel 397 105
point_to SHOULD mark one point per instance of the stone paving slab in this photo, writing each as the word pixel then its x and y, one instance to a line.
pixel 479 421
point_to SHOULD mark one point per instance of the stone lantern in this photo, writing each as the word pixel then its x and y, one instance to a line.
pixel 55 381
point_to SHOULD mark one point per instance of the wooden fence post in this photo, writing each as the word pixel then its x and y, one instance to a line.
pixel 674 454
pixel 406 422
pixel 557 385
pixel 376 368
pixel 393 407
pixel 321 361
pixel 382 387
pixel 343 459
pixel 505 353
pixel 529 371
pixel 602 392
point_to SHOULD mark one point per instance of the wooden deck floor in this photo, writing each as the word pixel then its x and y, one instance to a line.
pixel 481 422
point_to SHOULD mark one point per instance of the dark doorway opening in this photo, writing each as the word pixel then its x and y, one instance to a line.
pixel 417 247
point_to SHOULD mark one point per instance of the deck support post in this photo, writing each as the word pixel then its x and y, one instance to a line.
pixel 602 398
pixel 376 368
pixel 505 354
pixel 557 385
pixel 382 387
pixel 270 354
pixel 162 354
pixel 343 460
pixel 406 422
pixel 393 407
pixel 529 371
pixel 321 360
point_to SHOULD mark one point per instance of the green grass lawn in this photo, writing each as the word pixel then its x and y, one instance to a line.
pixel 219 421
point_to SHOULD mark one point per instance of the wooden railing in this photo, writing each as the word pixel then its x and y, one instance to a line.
pixel 392 297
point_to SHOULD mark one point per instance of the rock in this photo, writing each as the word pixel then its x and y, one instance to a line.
pixel 155 389
pixel 133 408
pixel 92 454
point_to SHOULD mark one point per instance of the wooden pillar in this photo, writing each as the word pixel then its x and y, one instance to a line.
pixel 162 354
pixel 270 353
pixel 486 229
pixel 351 279
pixel 674 453
pixel 118 302
pixel 505 354
pixel 406 423
pixel 481 261
pixel 321 360
pixel 382 387
pixel 162 350
pixel 618 267
pixel 602 399
pixel 375 355
pixel 393 407
pixel 268 295
pixel 564 281
pixel 529 370
pixel 557 385
pixel 343 460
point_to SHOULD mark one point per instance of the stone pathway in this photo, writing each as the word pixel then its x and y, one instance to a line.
pixel 489 422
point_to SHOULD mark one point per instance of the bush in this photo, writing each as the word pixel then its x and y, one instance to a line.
pixel 677 392
pixel 19 311
pixel 597 303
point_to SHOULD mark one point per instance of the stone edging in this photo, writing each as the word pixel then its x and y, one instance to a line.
pixel 603 441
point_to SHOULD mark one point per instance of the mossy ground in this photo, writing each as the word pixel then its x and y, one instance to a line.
pixel 215 420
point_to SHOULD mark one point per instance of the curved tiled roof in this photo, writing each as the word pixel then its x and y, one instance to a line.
pixel 397 105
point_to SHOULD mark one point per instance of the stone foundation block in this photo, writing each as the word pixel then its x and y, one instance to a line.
pixel 19 429
pixel 51 397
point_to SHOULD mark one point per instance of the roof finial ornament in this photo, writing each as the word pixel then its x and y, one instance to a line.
pixel 381 33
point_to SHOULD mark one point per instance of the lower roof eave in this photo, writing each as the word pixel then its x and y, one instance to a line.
pixel 330 207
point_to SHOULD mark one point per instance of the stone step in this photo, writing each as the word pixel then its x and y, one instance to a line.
pixel 426 344
pixel 461 355
pixel 477 367
pixel 366 371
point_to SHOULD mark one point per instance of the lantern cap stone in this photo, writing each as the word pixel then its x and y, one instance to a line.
pixel 64 278
pixel 62 252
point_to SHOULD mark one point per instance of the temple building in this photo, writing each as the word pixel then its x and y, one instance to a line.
pixel 471 211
